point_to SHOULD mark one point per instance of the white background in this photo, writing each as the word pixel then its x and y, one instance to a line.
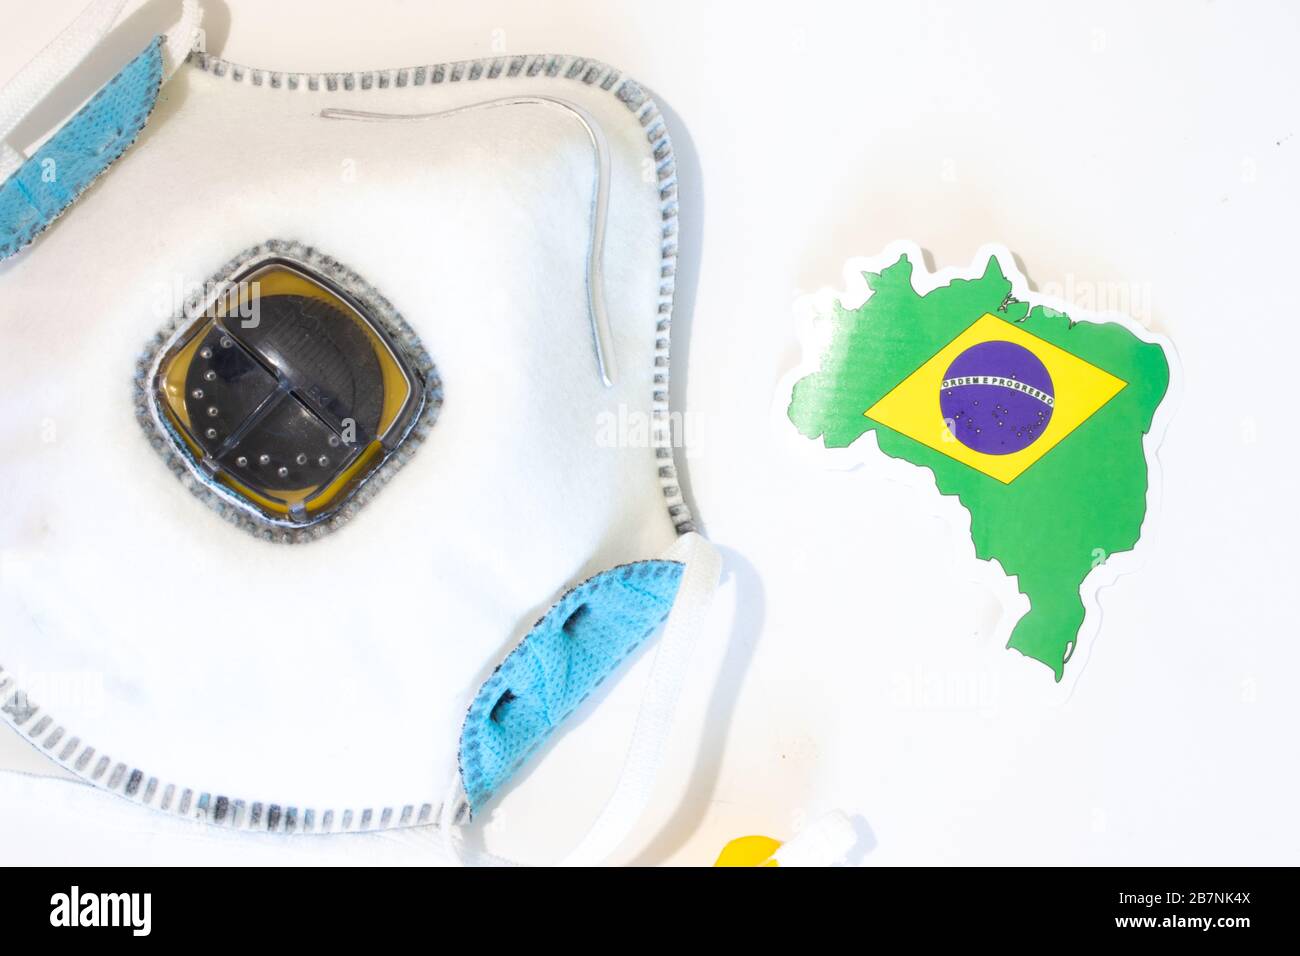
pixel 1139 153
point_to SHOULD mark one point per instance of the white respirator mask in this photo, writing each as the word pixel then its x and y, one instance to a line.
pixel 337 452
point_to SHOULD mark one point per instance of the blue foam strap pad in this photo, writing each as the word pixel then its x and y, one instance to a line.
pixel 567 654
pixel 50 181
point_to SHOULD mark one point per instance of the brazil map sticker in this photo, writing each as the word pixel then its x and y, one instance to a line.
pixel 1042 421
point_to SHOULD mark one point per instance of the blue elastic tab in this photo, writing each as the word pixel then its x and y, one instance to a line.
pixel 86 145
pixel 566 656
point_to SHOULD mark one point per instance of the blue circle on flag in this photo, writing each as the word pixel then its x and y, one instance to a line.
pixel 997 398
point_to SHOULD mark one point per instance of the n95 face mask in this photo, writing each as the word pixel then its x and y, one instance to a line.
pixel 321 511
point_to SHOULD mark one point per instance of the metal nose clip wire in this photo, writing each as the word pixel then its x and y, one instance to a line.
pixel 600 333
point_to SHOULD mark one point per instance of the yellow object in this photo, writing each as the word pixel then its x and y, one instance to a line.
pixel 749 851
pixel 912 407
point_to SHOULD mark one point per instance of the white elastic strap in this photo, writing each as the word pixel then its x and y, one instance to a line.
pixel 21 94
pixel 62 55
pixel 181 37
pixel 654 721
pixel 636 782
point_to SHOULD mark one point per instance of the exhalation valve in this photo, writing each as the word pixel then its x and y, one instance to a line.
pixel 285 394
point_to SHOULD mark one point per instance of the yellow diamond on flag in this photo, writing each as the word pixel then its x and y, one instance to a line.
pixel 996 398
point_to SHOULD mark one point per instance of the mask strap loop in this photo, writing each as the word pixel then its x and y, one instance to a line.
pixel 654 720
pixel 65 52
pixel 636 783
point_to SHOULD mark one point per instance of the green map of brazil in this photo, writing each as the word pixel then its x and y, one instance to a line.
pixel 1035 422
